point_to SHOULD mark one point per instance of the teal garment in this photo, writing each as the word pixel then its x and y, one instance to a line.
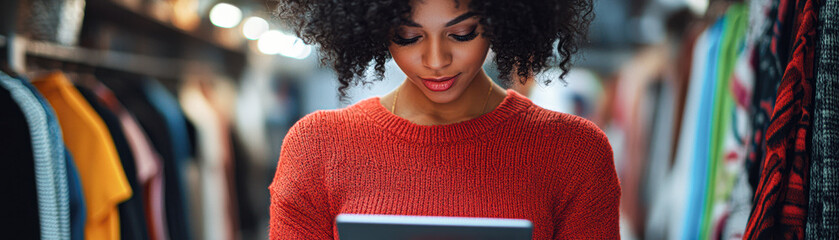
pixel 78 208
pixel 176 188
pixel 698 181
pixel 682 168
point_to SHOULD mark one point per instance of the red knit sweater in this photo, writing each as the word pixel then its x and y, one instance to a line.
pixel 518 161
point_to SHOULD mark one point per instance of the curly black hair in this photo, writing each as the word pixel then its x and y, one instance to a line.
pixel 352 34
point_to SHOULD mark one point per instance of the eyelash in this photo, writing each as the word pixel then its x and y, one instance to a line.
pixel 465 38
pixel 460 38
pixel 404 42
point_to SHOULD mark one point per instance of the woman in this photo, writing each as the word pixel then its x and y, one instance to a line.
pixel 448 141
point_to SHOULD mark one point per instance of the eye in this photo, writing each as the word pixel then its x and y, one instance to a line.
pixel 399 40
pixel 465 38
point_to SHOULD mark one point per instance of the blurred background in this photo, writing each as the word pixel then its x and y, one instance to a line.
pixel 173 112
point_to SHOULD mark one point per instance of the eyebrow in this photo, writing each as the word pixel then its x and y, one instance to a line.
pixel 454 21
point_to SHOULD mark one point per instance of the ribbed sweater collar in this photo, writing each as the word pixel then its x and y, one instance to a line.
pixel 512 105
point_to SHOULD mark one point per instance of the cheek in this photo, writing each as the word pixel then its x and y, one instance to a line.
pixel 407 59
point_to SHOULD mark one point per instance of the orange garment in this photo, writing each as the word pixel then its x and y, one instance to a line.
pixel 518 161
pixel 87 138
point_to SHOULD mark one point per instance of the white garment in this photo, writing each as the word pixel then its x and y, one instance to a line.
pixel 667 213
pixel 214 191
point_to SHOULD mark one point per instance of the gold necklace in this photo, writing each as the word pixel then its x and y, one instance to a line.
pixel 393 105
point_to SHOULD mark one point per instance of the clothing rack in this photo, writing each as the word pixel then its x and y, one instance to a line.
pixel 158 67
pixel 228 58
pixel 127 62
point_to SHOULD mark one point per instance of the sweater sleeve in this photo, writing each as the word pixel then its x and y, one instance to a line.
pixel 299 206
pixel 590 206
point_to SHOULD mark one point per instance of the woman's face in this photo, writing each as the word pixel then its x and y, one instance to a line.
pixel 440 49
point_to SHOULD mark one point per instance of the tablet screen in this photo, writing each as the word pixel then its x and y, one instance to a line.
pixel 391 227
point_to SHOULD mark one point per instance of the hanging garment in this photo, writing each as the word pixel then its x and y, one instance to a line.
pixel 222 97
pixel 780 208
pixel 78 210
pixel 660 95
pixel 50 167
pixel 167 106
pixel 17 178
pixel 212 157
pixel 255 102
pixel 740 201
pixel 169 140
pixel 823 213
pixel 684 71
pixel 720 176
pixel 249 213
pixel 634 117
pixel 131 211
pixel 151 179
pixel 770 46
pixel 165 125
pixel 669 206
pixel 698 186
pixel 733 128
pixel 78 207
pixel 89 141
pixel 148 162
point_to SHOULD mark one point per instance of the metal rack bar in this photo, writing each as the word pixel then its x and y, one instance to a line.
pixel 127 62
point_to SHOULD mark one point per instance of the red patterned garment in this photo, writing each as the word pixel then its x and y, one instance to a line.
pixel 780 202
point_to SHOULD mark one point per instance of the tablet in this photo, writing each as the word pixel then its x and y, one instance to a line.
pixel 398 227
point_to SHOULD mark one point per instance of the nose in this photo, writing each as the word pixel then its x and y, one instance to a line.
pixel 437 55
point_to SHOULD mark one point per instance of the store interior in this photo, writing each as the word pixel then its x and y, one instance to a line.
pixel 180 108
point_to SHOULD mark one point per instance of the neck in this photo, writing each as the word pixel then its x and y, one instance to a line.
pixel 475 101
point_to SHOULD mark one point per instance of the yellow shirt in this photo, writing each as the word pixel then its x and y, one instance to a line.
pixel 87 137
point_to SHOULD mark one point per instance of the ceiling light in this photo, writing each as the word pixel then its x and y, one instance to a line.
pixel 225 15
pixel 254 27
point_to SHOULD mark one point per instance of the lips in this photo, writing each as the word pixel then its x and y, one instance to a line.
pixel 439 84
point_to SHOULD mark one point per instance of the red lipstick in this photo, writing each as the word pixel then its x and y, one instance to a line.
pixel 439 84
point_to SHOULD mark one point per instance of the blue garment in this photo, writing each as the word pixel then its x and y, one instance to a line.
pixel 168 107
pixel 78 208
pixel 698 180
pixel 61 160
pixel 48 151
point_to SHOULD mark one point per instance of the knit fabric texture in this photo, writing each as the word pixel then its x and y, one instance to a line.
pixel 780 206
pixel 770 47
pixel 100 171
pixel 823 213
pixel 518 161
pixel 50 168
